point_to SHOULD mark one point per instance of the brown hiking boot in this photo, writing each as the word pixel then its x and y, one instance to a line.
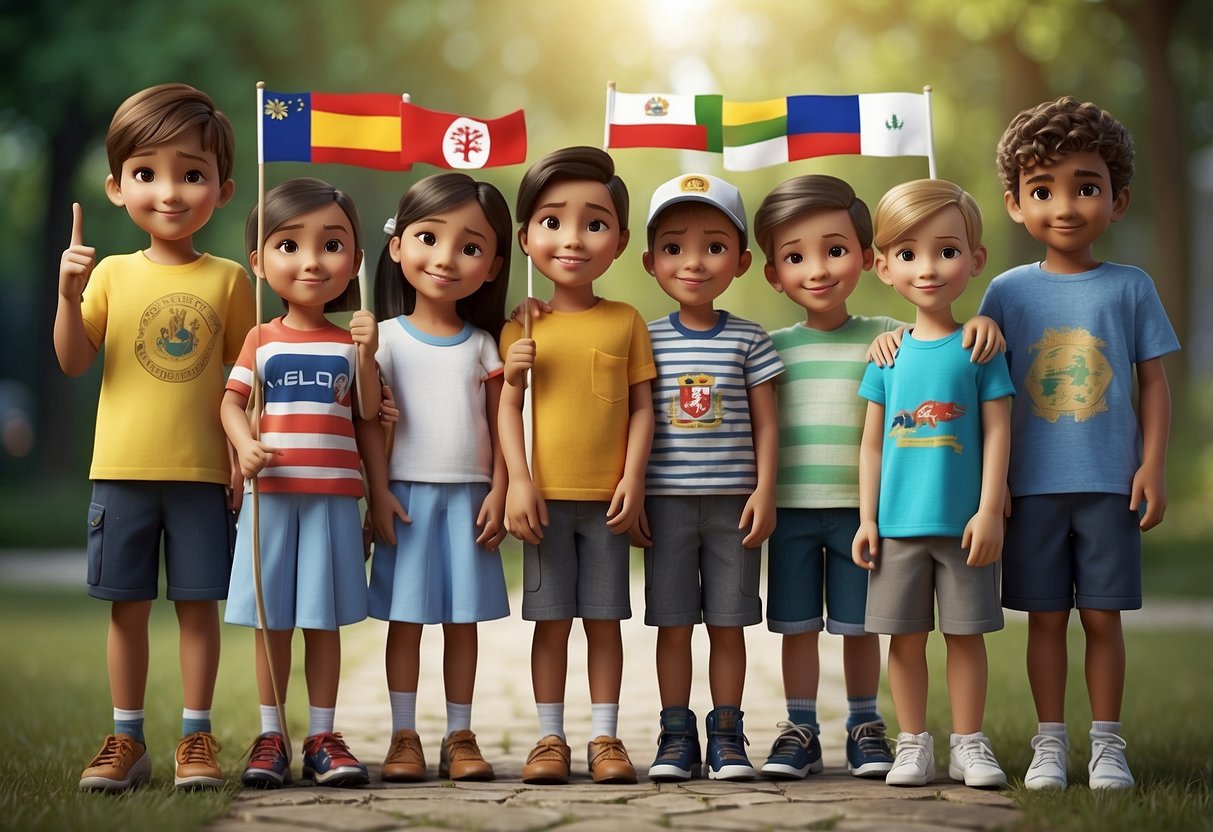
pixel 461 759
pixel 196 765
pixel 609 761
pixel 121 763
pixel 405 761
pixel 548 762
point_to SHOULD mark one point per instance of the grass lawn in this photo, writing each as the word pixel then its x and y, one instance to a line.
pixel 56 710
pixel 1165 718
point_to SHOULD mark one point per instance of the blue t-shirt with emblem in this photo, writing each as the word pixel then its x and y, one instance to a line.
pixel 930 468
pixel 1072 341
pixel 703 439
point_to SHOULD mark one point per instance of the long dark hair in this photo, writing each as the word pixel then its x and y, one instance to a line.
pixel 293 198
pixel 484 308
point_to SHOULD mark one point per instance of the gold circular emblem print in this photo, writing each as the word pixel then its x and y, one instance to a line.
pixel 177 334
pixel 1069 375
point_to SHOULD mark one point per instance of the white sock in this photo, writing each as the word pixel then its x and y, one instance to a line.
pixel 1054 729
pixel 458 717
pixel 269 720
pixel 320 720
pixel 551 718
pixel 1106 727
pixel 604 719
pixel 404 709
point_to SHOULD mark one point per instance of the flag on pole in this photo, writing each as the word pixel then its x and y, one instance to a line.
pixel 762 133
pixel 450 140
pixel 360 129
pixel 685 122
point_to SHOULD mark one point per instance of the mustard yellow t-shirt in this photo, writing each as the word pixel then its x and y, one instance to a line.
pixel 167 332
pixel 584 364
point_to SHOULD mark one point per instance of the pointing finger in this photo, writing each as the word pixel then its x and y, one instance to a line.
pixel 77 224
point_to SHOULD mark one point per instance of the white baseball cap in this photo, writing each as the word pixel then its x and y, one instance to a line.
pixel 700 187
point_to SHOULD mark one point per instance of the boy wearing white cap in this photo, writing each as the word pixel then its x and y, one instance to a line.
pixel 710 483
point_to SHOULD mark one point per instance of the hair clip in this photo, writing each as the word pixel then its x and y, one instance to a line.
pixel 389 227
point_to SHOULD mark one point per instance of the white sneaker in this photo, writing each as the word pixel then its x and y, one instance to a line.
pixel 914 764
pixel 1108 768
pixel 1048 769
pixel 972 762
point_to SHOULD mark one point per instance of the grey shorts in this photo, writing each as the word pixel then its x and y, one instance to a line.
pixel 579 569
pixel 913 572
pixel 697 568
pixel 126 520
pixel 1072 550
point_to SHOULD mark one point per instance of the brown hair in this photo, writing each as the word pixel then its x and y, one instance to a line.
pixel 805 194
pixel 484 308
pixel 296 197
pixel 909 203
pixel 1044 133
pixel 575 163
pixel 162 113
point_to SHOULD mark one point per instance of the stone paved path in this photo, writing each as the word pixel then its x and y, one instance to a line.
pixel 505 721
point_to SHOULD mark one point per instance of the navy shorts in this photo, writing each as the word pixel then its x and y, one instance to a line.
pixel 1072 550
pixel 697 568
pixel 128 518
pixel 579 569
pixel 808 560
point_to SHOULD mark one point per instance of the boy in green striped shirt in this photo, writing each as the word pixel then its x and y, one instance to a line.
pixel 817 238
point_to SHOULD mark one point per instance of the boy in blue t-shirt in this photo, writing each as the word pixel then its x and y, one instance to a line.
pixel 1076 329
pixel 932 481
pixel 710 483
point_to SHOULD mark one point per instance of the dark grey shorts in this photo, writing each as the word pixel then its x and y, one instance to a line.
pixel 913 572
pixel 126 520
pixel 1072 550
pixel 697 568
pixel 579 569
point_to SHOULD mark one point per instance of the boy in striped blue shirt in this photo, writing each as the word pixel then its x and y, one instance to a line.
pixel 710 484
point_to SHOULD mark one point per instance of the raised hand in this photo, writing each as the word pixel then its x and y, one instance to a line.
pixel 78 259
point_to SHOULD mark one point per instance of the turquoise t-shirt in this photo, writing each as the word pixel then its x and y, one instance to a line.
pixel 930 472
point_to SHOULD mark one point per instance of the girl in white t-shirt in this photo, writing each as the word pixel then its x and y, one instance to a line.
pixel 440 294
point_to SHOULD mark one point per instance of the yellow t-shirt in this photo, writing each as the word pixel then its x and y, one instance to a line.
pixel 584 364
pixel 167 332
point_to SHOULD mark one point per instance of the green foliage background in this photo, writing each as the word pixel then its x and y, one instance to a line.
pixel 69 65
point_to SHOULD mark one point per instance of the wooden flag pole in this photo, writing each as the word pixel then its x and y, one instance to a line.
pixel 255 426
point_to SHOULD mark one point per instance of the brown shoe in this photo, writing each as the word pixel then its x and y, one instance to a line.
pixel 196 766
pixel 405 762
pixel 121 763
pixel 548 762
pixel 609 761
pixel 460 758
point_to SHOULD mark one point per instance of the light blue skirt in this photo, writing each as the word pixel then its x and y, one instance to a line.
pixel 436 573
pixel 313 574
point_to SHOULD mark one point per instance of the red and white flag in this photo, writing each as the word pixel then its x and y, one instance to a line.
pixel 450 140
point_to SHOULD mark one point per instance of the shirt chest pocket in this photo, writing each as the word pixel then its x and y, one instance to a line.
pixel 608 376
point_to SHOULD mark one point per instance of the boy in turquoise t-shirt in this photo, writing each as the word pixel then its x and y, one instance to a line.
pixel 816 235
pixel 932 482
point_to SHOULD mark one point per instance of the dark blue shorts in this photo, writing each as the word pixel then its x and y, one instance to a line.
pixel 1072 550
pixel 808 559
pixel 126 521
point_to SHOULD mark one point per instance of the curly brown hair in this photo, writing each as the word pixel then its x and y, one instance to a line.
pixel 1044 133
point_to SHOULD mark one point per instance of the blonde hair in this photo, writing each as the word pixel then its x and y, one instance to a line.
pixel 909 203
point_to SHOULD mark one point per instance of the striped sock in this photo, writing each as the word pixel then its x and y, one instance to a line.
pixel 861 709
pixel 803 712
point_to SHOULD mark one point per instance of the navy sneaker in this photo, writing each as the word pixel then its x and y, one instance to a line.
pixel 795 754
pixel 269 764
pixel 678 754
pixel 727 759
pixel 868 753
pixel 328 761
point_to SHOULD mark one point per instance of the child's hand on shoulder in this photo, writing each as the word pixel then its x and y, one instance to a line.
pixel 884 347
pixel 984 336
pixel 536 307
